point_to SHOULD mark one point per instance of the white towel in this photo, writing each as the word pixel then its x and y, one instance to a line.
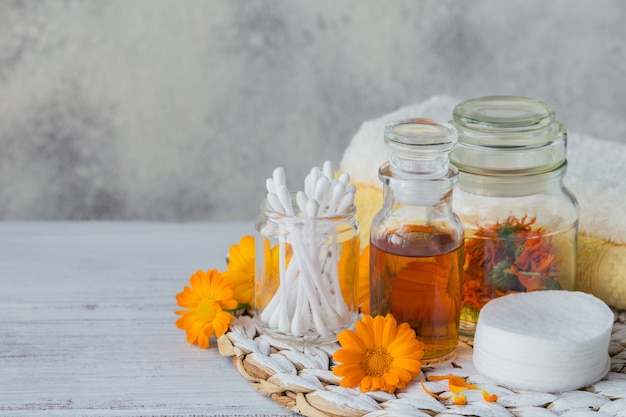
pixel 596 176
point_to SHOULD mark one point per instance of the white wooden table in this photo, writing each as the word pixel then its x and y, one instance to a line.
pixel 87 324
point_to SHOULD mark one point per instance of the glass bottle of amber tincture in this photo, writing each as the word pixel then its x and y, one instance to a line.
pixel 520 221
pixel 416 240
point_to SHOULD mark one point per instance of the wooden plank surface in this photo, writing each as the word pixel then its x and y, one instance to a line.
pixel 87 324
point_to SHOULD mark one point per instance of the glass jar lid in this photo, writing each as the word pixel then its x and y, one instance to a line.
pixel 420 146
pixel 419 170
pixel 507 135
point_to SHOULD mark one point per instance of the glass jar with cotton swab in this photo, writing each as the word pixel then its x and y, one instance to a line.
pixel 307 257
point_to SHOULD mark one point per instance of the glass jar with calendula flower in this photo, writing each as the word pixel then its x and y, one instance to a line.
pixel 520 221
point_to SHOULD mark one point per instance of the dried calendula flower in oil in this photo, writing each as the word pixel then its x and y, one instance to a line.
pixel 506 257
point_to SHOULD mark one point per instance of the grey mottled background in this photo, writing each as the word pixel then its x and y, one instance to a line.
pixel 178 110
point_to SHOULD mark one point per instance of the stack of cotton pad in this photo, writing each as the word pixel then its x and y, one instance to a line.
pixel 550 341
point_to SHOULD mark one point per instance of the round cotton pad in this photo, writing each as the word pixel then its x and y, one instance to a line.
pixel 550 341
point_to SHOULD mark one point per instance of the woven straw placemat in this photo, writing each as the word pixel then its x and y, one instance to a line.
pixel 301 380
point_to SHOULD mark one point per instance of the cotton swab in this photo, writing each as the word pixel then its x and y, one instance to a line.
pixel 311 208
pixel 279 177
pixel 327 169
pixel 344 178
pixel 346 201
pixel 285 199
pixel 302 200
pixel 337 194
pixel 321 187
pixel 311 180
pixel 275 203
pixel 269 185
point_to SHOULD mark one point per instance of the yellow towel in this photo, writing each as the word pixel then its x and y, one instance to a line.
pixel 596 176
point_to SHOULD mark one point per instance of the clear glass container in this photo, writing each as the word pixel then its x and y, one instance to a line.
pixel 521 223
pixel 306 275
pixel 416 240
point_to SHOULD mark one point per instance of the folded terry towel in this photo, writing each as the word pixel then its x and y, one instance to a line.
pixel 596 176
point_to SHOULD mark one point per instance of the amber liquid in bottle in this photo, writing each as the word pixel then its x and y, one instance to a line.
pixel 416 276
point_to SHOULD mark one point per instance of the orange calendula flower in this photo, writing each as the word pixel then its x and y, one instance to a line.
pixel 207 298
pixel 240 271
pixel 378 355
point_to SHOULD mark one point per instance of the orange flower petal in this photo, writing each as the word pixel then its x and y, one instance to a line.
pixel 352 380
pixel 348 356
pixel 221 322
pixel 459 399
pixel 204 337
pixel 367 384
pixel 196 282
pixel 457 385
pixel 455 389
pixel 452 379
pixel 402 373
pixel 186 320
pixel 391 378
pixel 351 340
pixel 349 369
pixel 432 394
pixel 491 398
pixel 410 365
pixel 186 298
pixel 193 330
pixel 229 304
pixel 409 349
pixel 364 330
pixel 379 329
pixel 389 331
pixel 376 383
